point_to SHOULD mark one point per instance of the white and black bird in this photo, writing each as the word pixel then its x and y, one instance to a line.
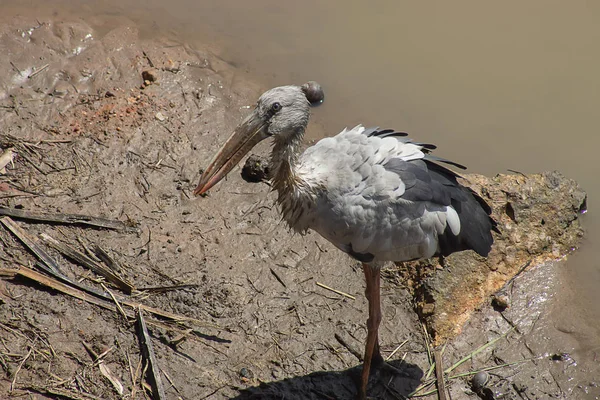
pixel 374 194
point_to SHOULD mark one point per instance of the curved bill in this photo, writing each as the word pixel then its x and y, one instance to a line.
pixel 245 137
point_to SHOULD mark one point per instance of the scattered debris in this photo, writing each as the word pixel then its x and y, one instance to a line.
pixel 87 262
pixel 500 301
pixel 335 291
pixel 439 374
pixel 37 71
pixel 70 219
pixel 32 245
pixel 104 369
pixel 6 158
pixel 158 389
pixel 94 298
pixel 149 75
pixel 350 348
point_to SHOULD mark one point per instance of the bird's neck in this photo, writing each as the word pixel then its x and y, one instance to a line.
pixel 284 158
pixel 295 196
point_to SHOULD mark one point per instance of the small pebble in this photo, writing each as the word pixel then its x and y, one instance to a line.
pixel 500 302
pixel 160 116
pixel 479 380
pixel 149 76
pixel 59 93
pixel 560 357
pixel 427 309
pixel 314 92
pixel 246 373
pixel 519 387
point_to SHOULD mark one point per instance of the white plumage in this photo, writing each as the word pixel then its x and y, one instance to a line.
pixel 358 204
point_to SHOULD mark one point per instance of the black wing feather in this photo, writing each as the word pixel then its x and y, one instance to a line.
pixel 435 184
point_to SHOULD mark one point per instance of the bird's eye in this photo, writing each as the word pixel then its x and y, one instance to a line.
pixel 276 107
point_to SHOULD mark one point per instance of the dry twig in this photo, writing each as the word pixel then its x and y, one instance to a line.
pixel 87 262
pixel 12 384
pixel 351 349
pixel 104 301
pixel 31 244
pixel 158 389
pixel 439 374
pixel 69 219
pixel 336 291
pixel 60 393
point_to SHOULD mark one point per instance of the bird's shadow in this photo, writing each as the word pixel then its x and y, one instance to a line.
pixel 339 385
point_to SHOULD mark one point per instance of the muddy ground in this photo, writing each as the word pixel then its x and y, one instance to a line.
pixel 92 137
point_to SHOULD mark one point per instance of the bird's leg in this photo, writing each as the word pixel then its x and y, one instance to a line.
pixel 377 359
pixel 372 346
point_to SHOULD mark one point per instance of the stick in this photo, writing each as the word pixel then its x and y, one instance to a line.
pixel 33 164
pixel 106 259
pixel 12 384
pixel 31 244
pixel 163 289
pixel 56 285
pixel 43 67
pixel 104 301
pixel 71 283
pixel 336 291
pixel 61 393
pixel 477 351
pixel 69 219
pixel 439 374
pixel 278 278
pixel 123 313
pixel 16 69
pixel 158 389
pixel 87 262
pixel 396 350
pixel 351 349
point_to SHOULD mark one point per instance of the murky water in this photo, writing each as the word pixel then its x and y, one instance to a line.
pixel 497 86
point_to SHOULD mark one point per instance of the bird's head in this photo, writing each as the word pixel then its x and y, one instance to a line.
pixel 281 113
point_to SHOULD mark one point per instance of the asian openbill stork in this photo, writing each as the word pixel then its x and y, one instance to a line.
pixel 374 194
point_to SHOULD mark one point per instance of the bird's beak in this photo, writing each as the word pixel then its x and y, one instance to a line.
pixel 244 138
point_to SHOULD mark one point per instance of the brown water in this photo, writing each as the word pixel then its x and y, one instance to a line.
pixel 497 86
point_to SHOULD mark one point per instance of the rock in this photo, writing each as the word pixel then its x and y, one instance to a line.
pixel 500 302
pixel 561 357
pixel 246 375
pixel 538 216
pixel 149 75
pixel 256 169
pixel 479 380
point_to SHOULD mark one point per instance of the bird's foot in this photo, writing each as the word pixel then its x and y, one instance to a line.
pixel 379 374
pixel 379 364
pixel 379 367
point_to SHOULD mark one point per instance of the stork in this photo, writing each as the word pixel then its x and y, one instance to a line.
pixel 374 194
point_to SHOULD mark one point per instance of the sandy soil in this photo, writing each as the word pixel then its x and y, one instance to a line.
pixel 93 138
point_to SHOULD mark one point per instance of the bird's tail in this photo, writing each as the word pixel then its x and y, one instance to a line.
pixel 476 224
